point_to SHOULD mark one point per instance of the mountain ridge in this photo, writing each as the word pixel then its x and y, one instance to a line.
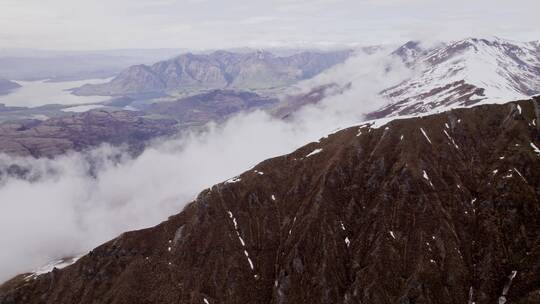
pixel 217 70
pixel 454 74
pixel 433 209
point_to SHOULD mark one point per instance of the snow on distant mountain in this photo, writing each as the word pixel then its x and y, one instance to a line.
pixel 410 52
pixel 464 73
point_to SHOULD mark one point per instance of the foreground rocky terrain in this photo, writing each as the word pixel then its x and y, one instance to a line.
pixel 435 209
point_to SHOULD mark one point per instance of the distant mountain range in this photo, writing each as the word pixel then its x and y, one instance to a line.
pixel 7 86
pixel 446 75
pixel 218 70
pixel 457 74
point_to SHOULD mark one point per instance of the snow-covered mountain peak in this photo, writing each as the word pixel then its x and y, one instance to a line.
pixel 465 72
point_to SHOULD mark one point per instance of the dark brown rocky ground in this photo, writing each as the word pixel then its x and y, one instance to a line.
pixel 387 215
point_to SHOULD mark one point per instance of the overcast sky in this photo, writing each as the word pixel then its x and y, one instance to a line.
pixel 113 24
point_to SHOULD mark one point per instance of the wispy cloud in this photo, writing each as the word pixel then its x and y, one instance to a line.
pixel 60 209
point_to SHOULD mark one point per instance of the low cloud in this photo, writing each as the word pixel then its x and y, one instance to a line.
pixel 66 206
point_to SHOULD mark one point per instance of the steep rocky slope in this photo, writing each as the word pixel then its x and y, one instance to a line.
pixel 218 70
pixel 436 209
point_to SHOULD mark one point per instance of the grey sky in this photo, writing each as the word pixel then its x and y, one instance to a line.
pixel 111 24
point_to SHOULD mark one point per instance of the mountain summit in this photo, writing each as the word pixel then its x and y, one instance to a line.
pixel 466 72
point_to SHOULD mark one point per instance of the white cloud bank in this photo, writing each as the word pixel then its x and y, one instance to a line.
pixel 61 210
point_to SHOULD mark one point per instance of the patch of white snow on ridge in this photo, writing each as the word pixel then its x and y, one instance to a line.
pixel 519 173
pixel 58 264
pixel 426 177
pixel 392 234
pixel 535 148
pixel 425 135
pixel 233 180
pixel 231 216
pixel 502 298
pixel 451 139
pixel 314 152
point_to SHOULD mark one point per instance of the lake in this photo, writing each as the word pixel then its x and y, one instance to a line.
pixel 41 92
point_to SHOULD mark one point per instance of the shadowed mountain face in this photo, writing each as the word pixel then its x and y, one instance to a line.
pixel 436 209
pixel 221 69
